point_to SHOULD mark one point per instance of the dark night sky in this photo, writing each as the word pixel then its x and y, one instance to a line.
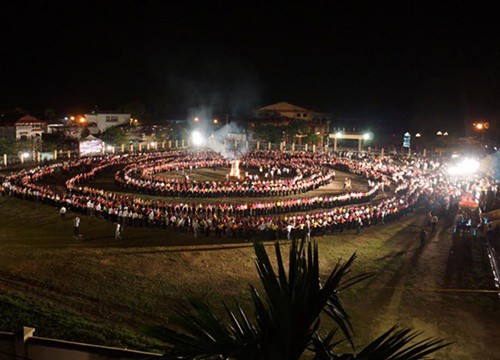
pixel 403 66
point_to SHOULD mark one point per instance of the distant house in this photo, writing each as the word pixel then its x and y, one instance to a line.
pixel 99 122
pixel 285 111
pixel 29 127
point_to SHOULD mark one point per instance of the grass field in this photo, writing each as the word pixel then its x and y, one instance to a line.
pixel 102 291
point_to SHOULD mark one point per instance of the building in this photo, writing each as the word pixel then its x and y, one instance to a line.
pixel 284 110
pixel 29 127
pixel 99 122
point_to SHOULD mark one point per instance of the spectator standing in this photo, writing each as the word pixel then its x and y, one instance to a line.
pixel 118 231
pixel 76 227
pixel 62 212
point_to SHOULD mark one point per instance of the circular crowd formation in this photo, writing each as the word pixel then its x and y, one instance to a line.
pixel 263 203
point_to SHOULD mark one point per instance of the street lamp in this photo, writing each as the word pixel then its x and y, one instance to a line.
pixel 418 135
pixel 196 119
pixel 482 127
pixel 439 133
pixel 216 121
pixel 445 133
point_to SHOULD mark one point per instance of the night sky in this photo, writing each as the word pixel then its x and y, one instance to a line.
pixel 404 66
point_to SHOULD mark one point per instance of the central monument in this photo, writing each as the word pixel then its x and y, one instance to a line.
pixel 235 169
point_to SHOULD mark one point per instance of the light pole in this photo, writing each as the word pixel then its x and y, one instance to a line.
pixel 328 132
pixel 482 127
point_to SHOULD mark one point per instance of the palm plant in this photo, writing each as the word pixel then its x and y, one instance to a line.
pixel 286 320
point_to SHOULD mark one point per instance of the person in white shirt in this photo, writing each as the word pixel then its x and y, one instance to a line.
pixel 63 212
pixel 76 227
pixel 289 229
pixel 118 231
pixel 196 228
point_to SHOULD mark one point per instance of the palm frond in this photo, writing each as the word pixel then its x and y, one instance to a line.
pixel 295 302
pixel 206 335
pixel 286 317
pixel 395 344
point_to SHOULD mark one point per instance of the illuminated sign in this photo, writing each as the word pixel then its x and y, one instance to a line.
pixel 91 147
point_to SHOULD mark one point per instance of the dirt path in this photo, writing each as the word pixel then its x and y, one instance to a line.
pixel 442 289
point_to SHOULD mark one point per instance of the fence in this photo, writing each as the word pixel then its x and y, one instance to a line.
pixel 39 157
pixel 25 346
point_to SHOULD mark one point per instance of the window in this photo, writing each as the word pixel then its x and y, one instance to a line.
pixel 298 115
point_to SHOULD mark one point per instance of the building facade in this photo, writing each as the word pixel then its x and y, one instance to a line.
pixel 29 127
pixel 99 122
pixel 284 110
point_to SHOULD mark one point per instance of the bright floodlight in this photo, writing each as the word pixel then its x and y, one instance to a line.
pixel 197 138
pixel 465 167
pixel 25 155
pixel 338 135
pixel 367 136
pixel 109 147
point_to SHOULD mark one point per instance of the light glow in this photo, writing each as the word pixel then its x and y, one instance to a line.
pixel 338 135
pixel 197 138
pixel 467 166
pixel 367 136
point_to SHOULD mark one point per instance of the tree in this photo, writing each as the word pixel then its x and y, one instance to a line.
pixel 8 146
pixel 85 132
pixel 269 132
pixel 287 318
pixel 116 136
pixel 50 114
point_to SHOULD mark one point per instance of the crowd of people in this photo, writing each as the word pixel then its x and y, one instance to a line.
pixel 264 175
pixel 404 183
